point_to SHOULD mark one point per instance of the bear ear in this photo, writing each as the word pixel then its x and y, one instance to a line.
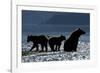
pixel 79 29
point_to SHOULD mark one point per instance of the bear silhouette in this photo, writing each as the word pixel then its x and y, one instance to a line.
pixel 70 45
pixel 55 43
pixel 42 40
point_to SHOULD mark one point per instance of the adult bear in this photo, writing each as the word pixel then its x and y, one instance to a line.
pixel 70 45
pixel 42 40
pixel 55 42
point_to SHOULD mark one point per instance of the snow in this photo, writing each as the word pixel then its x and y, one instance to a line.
pixel 83 53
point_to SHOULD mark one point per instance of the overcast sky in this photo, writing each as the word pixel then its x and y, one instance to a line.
pixel 43 21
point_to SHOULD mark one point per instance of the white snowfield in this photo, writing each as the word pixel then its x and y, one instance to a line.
pixel 83 53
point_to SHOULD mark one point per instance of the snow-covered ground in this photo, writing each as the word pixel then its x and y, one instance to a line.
pixel 83 53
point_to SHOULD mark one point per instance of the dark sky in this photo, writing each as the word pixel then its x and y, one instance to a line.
pixel 43 21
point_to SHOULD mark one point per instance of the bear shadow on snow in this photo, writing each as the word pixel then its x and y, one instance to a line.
pixel 36 40
pixel 70 45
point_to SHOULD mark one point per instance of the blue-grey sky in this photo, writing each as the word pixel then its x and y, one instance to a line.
pixel 49 22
